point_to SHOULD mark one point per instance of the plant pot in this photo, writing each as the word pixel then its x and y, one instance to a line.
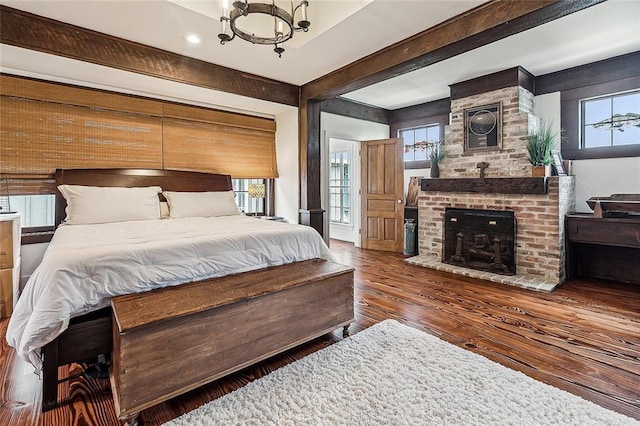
pixel 434 171
pixel 540 171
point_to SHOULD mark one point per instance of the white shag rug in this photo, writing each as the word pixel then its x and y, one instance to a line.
pixel 391 374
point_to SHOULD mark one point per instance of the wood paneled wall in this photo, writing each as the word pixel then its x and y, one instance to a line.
pixel 47 126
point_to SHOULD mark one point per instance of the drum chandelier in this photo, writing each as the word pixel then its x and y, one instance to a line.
pixel 284 24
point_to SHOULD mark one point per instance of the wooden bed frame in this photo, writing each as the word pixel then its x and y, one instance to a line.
pixel 91 335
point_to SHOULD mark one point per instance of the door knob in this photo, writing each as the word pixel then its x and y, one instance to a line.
pixel 399 201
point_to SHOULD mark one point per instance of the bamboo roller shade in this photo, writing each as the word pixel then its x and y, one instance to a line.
pixel 39 135
pixel 33 184
pixel 197 146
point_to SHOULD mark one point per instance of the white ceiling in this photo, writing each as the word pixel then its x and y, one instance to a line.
pixel 341 32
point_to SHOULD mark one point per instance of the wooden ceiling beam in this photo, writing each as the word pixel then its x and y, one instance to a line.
pixel 29 31
pixel 353 109
pixel 477 27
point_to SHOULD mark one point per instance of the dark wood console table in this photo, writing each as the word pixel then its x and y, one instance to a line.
pixel 607 248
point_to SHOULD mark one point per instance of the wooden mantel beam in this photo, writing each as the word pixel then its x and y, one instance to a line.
pixel 29 31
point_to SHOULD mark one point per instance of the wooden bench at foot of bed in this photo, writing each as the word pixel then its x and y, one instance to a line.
pixel 169 341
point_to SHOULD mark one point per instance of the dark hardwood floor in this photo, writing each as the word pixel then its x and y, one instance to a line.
pixel 584 337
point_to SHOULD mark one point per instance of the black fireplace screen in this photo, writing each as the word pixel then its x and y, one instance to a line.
pixel 480 239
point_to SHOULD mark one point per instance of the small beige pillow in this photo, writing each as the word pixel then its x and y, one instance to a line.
pixel 201 204
pixel 93 204
pixel 164 210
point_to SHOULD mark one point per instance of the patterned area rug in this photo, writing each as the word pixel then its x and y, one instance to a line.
pixel 391 374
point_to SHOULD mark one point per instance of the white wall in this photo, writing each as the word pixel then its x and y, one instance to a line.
pixel 598 177
pixel 547 107
pixel 286 185
pixel 603 177
pixel 336 126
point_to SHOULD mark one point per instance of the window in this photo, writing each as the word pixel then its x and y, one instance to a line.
pixel 415 142
pixel 245 203
pixel 610 120
pixel 34 210
pixel 601 120
pixel 339 187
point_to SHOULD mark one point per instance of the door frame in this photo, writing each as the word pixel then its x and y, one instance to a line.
pixel 355 185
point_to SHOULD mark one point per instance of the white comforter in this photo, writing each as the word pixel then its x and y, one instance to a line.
pixel 86 265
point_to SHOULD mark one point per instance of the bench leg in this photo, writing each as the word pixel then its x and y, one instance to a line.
pixel 345 330
pixel 50 376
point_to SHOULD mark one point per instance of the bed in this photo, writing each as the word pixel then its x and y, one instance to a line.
pixel 168 252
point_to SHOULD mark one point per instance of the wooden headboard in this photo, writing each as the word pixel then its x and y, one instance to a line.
pixel 169 180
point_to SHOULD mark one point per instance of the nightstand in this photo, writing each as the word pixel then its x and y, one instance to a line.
pixel 9 262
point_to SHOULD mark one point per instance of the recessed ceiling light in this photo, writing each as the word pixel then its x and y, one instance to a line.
pixel 193 38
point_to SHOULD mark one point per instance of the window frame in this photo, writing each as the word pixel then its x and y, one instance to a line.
pixel 570 113
pixel 246 191
pixel 342 186
pixel 610 98
pixel 441 120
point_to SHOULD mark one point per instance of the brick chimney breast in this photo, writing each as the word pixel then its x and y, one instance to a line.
pixel 539 246
pixel 517 122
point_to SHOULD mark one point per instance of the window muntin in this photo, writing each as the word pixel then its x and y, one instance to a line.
pixel 611 120
pixel 415 141
pixel 340 187
pixel 245 203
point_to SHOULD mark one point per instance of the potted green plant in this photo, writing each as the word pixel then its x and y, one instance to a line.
pixel 539 147
pixel 435 152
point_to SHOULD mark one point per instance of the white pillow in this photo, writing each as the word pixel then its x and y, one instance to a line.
pixel 94 204
pixel 201 204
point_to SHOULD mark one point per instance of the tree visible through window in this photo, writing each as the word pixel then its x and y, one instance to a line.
pixel 339 187
pixel 612 120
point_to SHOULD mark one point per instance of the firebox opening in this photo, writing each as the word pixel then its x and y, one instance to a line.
pixel 480 239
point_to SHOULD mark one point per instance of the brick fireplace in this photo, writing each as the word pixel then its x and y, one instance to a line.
pixel 538 204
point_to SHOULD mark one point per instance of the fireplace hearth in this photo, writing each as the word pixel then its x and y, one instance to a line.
pixel 480 239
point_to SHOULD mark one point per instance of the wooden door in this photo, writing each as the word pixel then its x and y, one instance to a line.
pixel 382 195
